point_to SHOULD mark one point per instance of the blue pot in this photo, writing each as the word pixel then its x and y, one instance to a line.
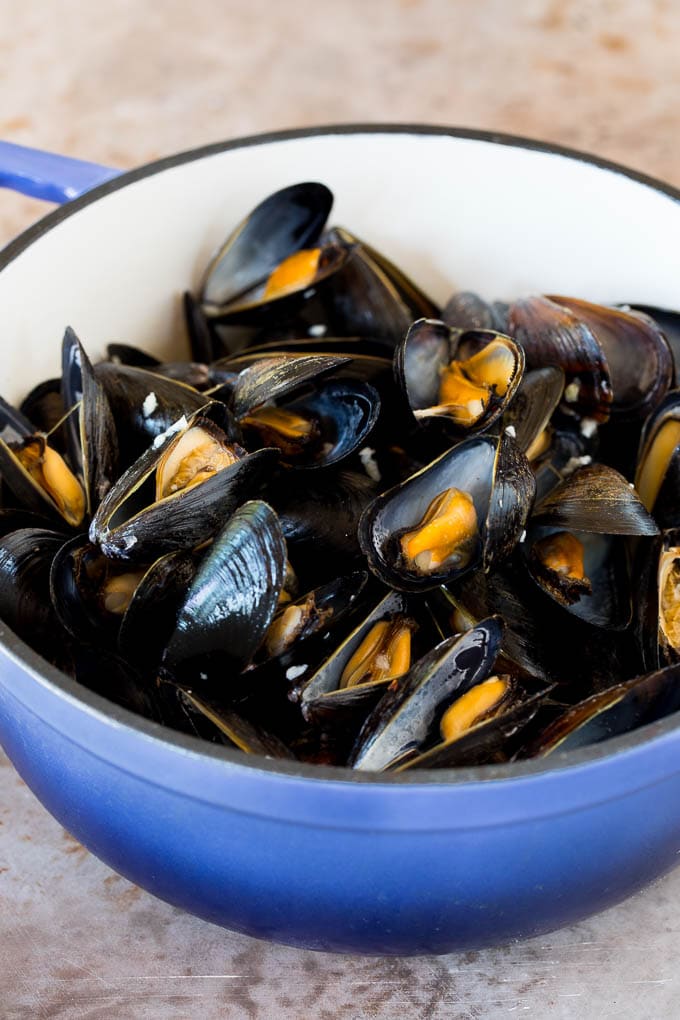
pixel 317 857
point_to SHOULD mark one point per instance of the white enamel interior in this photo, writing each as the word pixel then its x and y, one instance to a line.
pixel 455 213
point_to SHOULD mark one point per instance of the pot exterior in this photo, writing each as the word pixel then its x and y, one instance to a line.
pixel 341 889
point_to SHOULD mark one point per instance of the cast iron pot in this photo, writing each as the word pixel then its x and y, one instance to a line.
pixel 310 856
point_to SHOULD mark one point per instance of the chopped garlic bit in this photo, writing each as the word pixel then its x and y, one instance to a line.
pixel 150 404
pixel 523 536
pixel 574 463
pixel 510 431
pixel 369 464
pixel 293 672
pixel 176 426
pixel 571 391
pixel 318 330
pixel 588 427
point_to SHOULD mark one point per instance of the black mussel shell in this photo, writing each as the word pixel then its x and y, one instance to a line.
pixel 553 335
pixel 424 354
pixel 44 407
pixel 271 378
pixel 668 320
pixel 132 524
pixel 95 448
pixel 492 473
pixel 285 222
pixel 193 373
pixel 232 598
pixel 25 560
pixel 65 503
pixel 638 357
pixel 236 730
pixel 656 568
pixel 611 712
pixel 492 739
pixel 598 500
pixel 320 694
pixel 467 310
pixel 657 478
pixel 529 414
pixel 406 719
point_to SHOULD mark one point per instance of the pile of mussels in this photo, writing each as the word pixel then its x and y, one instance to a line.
pixel 357 528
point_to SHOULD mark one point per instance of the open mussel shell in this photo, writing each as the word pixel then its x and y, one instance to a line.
pixel 638 357
pixel 235 729
pixel 467 310
pixel 406 719
pixel 490 737
pixel 232 599
pixel 482 487
pixel 418 303
pixel 529 414
pixel 552 334
pixel 598 500
pixel 285 222
pixel 540 637
pixel 144 404
pixel 657 478
pixel 596 588
pixel 656 568
pixel 134 522
pixel 95 448
pixel 25 560
pixel 342 686
pixel 192 373
pixel 313 615
pixel 44 407
pixel 337 418
pixel 271 378
pixel 40 479
pixel 465 379
pixel 611 712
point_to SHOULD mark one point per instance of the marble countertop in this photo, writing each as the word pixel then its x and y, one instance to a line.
pixel 123 83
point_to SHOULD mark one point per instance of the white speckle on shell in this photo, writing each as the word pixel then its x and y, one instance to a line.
pixel 571 391
pixel 293 672
pixel 176 426
pixel 523 536
pixel 574 463
pixel 510 431
pixel 318 330
pixel 588 427
pixel 368 462
pixel 150 404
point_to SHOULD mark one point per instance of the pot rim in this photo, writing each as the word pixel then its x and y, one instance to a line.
pixel 645 737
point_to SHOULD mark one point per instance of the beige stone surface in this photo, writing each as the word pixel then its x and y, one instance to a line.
pixel 127 81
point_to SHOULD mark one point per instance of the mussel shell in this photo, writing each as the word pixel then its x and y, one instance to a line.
pixel 666 505
pixel 638 357
pixel 139 420
pixel 467 310
pixel 407 717
pixel 553 335
pixel 96 446
pixel 31 495
pixel 202 344
pixel 285 222
pixel 79 571
pixel 238 731
pixel 232 598
pixel 489 741
pixel 130 524
pixel 598 500
pixel 609 713
pixel 652 558
pixel 319 514
pixel 668 320
pixel 44 407
pixel 346 413
pixel 320 695
pixel 609 604
pixel 427 350
pixel 274 377
pixel 537 397
pixel 25 559
pixel 496 476
pixel 193 373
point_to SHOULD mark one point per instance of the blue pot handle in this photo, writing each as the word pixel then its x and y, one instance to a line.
pixel 48 176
